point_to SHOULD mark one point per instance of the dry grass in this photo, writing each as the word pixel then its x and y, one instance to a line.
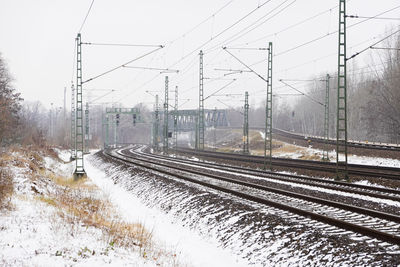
pixel 77 205
pixel 6 189
pixel 279 148
pixel 76 201
pixel 288 149
pixel 315 157
pixel 225 149
pixel 46 200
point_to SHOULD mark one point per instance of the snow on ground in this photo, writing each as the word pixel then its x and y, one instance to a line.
pixel 299 152
pixel 189 217
pixel 373 161
pixel 190 246
pixel 34 235
pixel 35 232
pixel 189 226
pixel 314 188
pixel 63 154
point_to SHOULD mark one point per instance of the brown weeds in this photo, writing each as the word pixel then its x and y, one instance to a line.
pixel 75 200
pixel 6 189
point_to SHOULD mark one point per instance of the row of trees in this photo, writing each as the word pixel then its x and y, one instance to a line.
pixel 373 102
pixel 373 110
pixel 10 106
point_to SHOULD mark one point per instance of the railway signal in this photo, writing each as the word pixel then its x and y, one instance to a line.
pixel 115 114
pixel 117 119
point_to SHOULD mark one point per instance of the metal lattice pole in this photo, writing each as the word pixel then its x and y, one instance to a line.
pixel 196 133
pixel 116 124
pixel 87 128
pixel 268 113
pixel 325 155
pixel 176 119
pixel 341 124
pixel 201 105
pixel 107 124
pixel 215 129
pixel 246 124
pixel 73 115
pixel 79 145
pixel 165 132
pixel 156 123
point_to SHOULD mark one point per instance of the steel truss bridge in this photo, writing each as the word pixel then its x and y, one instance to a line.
pixel 187 119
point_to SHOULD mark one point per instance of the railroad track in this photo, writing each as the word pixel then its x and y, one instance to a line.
pixel 375 224
pixel 320 140
pixel 316 139
pixel 371 191
pixel 353 169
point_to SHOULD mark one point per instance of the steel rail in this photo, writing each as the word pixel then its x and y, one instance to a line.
pixel 321 140
pixel 394 239
pixel 369 212
pixel 310 181
pixel 354 169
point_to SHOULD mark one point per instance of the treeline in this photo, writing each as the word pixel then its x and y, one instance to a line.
pixel 373 102
pixel 30 123
pixel 10 107
pixel 27 123
pixel 373 110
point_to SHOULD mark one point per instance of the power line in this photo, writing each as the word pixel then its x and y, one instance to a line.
pixel 300 80
pixel 329 34
pixel 287 95
pixel 220 89
pixel 232 70
pixel 100 97
pixel 306 95
pixel 229 39
pixel 247 66
pixel 310 61
pixel 149 68
pixel 202 22
pixel 365 49
pixel 385 48
pixel 247 48
pixel 186 100
pixel 87 14
pixel 186 33
pixel 293 25
pixel 120 66
pixel 206 42
pixel 222 32
pixel 263 22
pixel 111 44
pixel 363 17
pixel 229 106
pixel 195 50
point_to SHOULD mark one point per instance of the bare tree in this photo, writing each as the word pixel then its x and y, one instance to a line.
pixel 9 106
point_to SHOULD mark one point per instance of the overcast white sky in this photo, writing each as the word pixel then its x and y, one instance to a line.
pixel 37 41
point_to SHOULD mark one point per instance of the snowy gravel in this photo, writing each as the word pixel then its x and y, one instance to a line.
pixel 261 235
